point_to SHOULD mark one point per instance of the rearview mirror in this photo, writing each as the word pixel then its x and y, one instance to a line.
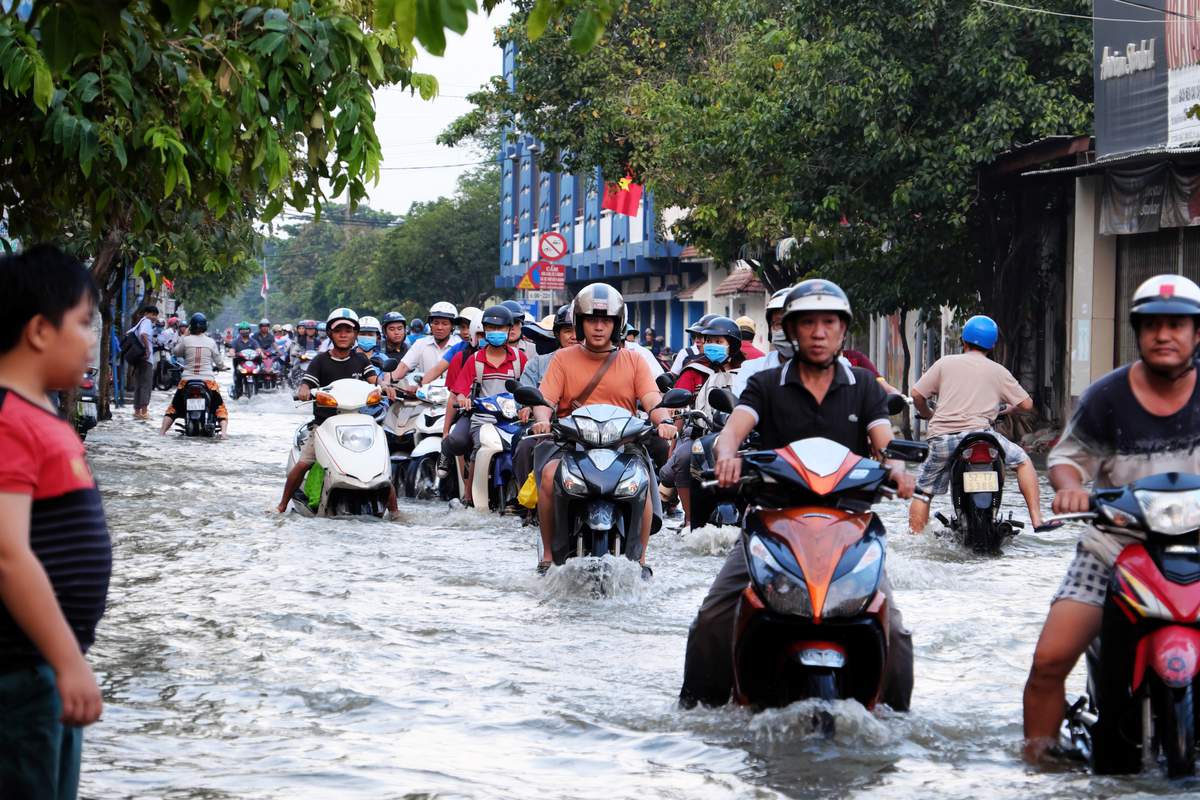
pixel 665 381
pixel 676 398
pixel 511 385
pixel 905 450
pixel 896 404
pixel 722 400
pixel 389 365
pixel 529 396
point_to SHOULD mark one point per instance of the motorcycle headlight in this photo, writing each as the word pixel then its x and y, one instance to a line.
pixel 784 592
pixel 601 434
pixel 1171 513
pixel 589 429
pixel 508 407
pixel 572 482
pixel 632 481
pixel 487 405
pixel 849 594
pixel 356 438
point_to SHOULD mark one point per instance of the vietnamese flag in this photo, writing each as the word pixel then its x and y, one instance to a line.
pixel 623 197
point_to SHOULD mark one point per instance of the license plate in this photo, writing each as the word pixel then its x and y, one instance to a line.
pixel 981 482
pixel 197 404
pixel 87 408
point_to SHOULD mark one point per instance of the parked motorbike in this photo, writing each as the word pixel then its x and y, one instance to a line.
pixel 1142 671
pixel 352 454
pixel 199 417
pixel 168 371
pixel 492 477
pixel 86 407
pixel 601 482
pixel 813 621
pixel 976 489
pixel 247 365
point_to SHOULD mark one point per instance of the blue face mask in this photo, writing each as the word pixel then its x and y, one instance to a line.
pixel 366 343
pixel 716 353
pixel 496 338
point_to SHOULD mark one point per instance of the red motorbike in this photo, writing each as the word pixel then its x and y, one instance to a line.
pixel 813 623
pixel 247 373
pixel 1141 701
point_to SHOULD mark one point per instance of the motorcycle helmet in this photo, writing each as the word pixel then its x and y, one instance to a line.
pixel 288 328
pixel 442 310
pixel 517 310
pixel 695 327
pixel 198 323
pixel 817 294
pixel 599 299
pixel 320 327
pixel 343 316
pixel 392 317
pixel 173 322
pixel 472 315
pixel 464 316
pixel 1164 294
pixel 747 327
pixel 243 326
pixel 264 321
pixel 369 325
pixel 498 316
pixel 981 332
pixel 725 328
pixel 563 318
pixel 417 326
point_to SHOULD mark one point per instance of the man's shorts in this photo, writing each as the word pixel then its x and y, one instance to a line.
pixel 1086 580
pixel 308 450
pixel 679 465
pixel 934 477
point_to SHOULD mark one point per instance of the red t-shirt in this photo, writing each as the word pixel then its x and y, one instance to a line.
pixel 750 351
pixel 511 366
pixel 44 459
pixel 858 359
pixel 692 379
pixel 456 365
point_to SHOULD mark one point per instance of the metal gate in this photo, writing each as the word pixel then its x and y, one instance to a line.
pixel 1141 257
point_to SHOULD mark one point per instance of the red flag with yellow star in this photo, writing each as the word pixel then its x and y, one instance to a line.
pixel 623 197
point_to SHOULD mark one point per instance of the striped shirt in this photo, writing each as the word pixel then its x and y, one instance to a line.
pixel 43 458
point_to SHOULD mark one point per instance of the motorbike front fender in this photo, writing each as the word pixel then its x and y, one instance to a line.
pixel 1173 652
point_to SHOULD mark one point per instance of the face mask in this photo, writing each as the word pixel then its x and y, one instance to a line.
pixel 781 344
pixel 716 353
pixel 366 343
pixel 496 338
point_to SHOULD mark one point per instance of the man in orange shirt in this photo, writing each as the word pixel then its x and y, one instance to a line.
pixel 599 314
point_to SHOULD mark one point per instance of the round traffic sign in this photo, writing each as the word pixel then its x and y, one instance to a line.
pixel 553 246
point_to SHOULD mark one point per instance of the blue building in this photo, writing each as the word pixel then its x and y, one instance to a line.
pixel 623 251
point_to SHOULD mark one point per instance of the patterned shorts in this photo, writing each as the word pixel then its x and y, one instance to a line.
pixel 934 477
pixel 1086 580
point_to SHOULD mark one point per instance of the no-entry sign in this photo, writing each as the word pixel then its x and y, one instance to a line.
pixel 552 246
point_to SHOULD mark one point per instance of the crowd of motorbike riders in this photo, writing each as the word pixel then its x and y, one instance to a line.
pixel 806 424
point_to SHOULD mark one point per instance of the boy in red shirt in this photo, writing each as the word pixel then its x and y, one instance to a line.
pixel 55 553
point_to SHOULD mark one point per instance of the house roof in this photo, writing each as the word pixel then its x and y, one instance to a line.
pixel 690 292
pixel 740 281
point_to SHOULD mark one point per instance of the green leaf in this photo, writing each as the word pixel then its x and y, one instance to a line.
pixel 87 87
pixel 426 85
pixel 121 87
pixel 586 31
pixel 43 84
pixel 405 15
pixel 539 17
pixel 183 12
pixel 385 13
pixel 272 209
pixel 61 37
pixel 431 32
pixel 118 148
pixel 454 14
pixel 276 19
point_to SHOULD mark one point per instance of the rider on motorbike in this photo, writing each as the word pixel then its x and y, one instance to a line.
pixel 808 396
pixel 342 360
pixel 306 336
pixel 424 354
pixel 369 334
pixel 483 374
pixel 970 389
pixel 243 341
pixel 696 348
pixel 394 345
pixel 264 340
pixel 168 337
pixel 416 331
pixel 781 349
pixel 1138 420
pixel 564 332
pixel 615 376
pixel 200 356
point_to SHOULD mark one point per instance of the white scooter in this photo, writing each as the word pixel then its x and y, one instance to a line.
pixel 492 483
pixel 351 451
pixel 415 429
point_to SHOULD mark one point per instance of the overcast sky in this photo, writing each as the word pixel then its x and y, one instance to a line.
pixel 407 126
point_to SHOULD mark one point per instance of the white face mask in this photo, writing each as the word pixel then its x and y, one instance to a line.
pixel 781 344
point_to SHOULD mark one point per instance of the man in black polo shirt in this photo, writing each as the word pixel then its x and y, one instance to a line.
pixel 810 395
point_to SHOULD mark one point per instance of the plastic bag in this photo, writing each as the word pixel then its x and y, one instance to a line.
pixel 313 482
pixel 528 496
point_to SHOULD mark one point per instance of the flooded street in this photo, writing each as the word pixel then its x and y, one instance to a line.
pixel 251 655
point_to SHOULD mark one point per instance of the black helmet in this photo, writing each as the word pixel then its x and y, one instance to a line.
pixel 198 323
pixel 390 317
pixel 516 309
pixel 700 323
pixel 725 327
pixel 498 315
pixel 562 318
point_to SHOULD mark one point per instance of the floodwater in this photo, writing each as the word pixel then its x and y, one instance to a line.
pixel 251 655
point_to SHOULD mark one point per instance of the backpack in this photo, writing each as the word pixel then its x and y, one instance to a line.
pixel 132 349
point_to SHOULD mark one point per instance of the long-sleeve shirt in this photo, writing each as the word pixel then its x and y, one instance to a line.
pixel 199 354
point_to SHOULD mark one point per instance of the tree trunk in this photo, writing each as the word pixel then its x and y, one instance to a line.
pixel 906 424
pixel 102 273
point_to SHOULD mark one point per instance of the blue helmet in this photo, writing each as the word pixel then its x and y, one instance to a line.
pixel 981 331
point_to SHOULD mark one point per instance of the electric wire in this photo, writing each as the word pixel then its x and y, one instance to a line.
pixel 1047 11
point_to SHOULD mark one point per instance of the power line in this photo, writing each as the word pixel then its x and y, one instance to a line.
pixel 1067 14
pixel 1156 9
pixel 442 166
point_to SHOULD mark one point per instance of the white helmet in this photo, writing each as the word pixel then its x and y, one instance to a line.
pixel 777 301
pixel 288 327
pixel 369 325
pixel 341 315
pixel 599 299
pixel 817 294
pixel 442 310
pixel 468 313
pixel 1165 294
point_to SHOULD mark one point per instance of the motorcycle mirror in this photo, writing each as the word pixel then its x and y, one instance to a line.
pixel 511 385
pixel 676 398
pixel 529 396
pixel 722 400
pixel 665 381
pixel 905 450
pixel 896 404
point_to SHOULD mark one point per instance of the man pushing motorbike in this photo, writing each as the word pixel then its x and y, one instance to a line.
pixel 810 395
pixel 597 370
pixel 1138 420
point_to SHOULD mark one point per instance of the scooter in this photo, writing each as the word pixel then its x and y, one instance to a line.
pixel 976 489
pixel 813 621
pixel 300 367
pixel 168 372
pixel 247 364
pixel 602 480
pixel 87 412
pixel 492 475
pixel 353 475
pixel 200 418
pixel 1142 672
pixel 269 377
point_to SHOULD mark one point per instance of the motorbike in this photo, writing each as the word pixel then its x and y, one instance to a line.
pixel 813 621
pixel 352 454
pixel 601 483
pixel 492 476
pixel 414 433
pixel 300 367
pixel 86 407
pixel 1142 672
pixel 199 418
pixel 976 489
pixel 168 372
pixel 269 374
pixel 247 366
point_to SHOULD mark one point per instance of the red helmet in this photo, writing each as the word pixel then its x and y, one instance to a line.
pixel 173 322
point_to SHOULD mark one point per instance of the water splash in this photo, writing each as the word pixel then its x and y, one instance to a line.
pixel 852 724
pixel 609 577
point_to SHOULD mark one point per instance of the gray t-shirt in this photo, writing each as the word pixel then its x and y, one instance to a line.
pixel 969 388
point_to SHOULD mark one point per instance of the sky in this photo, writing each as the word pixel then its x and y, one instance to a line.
pixel 407 125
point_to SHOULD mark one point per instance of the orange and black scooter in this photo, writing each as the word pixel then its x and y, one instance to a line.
pixel 813 621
